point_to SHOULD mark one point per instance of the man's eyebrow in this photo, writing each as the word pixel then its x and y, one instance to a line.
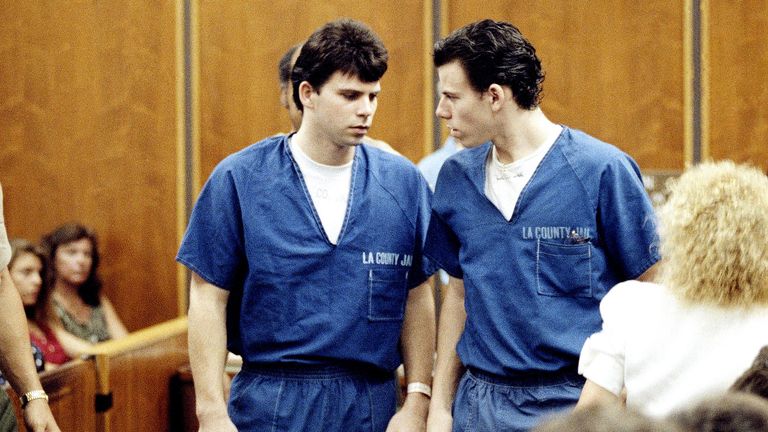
pixel 357 91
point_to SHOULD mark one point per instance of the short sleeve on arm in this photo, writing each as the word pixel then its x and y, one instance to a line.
pixel 602 357
pixel 5 248
pixel 213 245
pixel 628 221
pixel 423 267
pixel 443 245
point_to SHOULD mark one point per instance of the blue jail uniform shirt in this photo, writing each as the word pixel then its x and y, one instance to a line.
pixel 533 283
pixel 296 298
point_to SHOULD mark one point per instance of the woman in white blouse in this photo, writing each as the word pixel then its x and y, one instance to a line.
pixel 671 344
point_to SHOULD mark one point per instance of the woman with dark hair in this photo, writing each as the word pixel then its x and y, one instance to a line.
pixel 27 267
pixel 82 315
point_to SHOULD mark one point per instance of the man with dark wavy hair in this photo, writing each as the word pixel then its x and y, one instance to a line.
pixel 535 227
pixel 284 68
pixel 306 253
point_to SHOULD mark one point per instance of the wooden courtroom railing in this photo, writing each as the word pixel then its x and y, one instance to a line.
pixel 133 377
pixel 71 389
pixel 118 386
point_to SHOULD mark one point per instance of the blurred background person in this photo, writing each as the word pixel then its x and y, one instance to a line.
pixel 27 268
pixel 14 353
pixel 82 315
pixel 430 165
pixel 729 412
pixel 696 331
pixel 284 68
pixel 605 418
pixel 755 379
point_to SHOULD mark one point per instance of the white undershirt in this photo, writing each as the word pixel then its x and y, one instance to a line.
pixel 328 187
pixel 504 182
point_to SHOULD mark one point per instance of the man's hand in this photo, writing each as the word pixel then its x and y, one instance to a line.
pixel 38 417
pixel 440 420
pixel 412 417
pixel 216 423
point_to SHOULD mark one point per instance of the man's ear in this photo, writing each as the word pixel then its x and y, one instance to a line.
pixel 305 92
pixel 497 96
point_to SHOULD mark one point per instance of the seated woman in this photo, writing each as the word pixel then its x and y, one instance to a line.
pixel 670 344
pixel 26 268
pixel 82 315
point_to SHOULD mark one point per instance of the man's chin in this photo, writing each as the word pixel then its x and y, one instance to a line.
pixel 466 143
pixel 352 142
pixel 356 141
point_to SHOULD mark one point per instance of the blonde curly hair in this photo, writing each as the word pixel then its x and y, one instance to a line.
pixel 714 235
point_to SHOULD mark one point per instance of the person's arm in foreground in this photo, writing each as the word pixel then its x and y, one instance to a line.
pixel 650 274
pixel 448 367
pixel 208 353
pixel 593 394
pixel 418 345
pixel 16 358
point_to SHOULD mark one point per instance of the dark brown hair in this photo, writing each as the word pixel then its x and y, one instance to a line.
pixel 495 52
pixel 344 45
pixel 39 311
pixel 755 379
pixel 90 289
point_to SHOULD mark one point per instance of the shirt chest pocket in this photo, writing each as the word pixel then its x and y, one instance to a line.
pixel 564 270
pixel 387 292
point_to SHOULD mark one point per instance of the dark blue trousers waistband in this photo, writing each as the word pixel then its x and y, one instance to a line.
pixel 530 379
pixel 310 371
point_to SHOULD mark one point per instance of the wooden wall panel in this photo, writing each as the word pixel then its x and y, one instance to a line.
pixel 614 68
pixel 242 41
pixel 87 119
pixel 88 101
pixel 737 61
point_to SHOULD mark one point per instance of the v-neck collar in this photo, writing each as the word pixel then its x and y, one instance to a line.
pixel 308 198
pixel 477 175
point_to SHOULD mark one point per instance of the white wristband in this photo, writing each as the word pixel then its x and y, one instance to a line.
pixel 417 387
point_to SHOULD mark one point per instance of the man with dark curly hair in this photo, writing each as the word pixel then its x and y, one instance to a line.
pixel 306 253
pixel 535 227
